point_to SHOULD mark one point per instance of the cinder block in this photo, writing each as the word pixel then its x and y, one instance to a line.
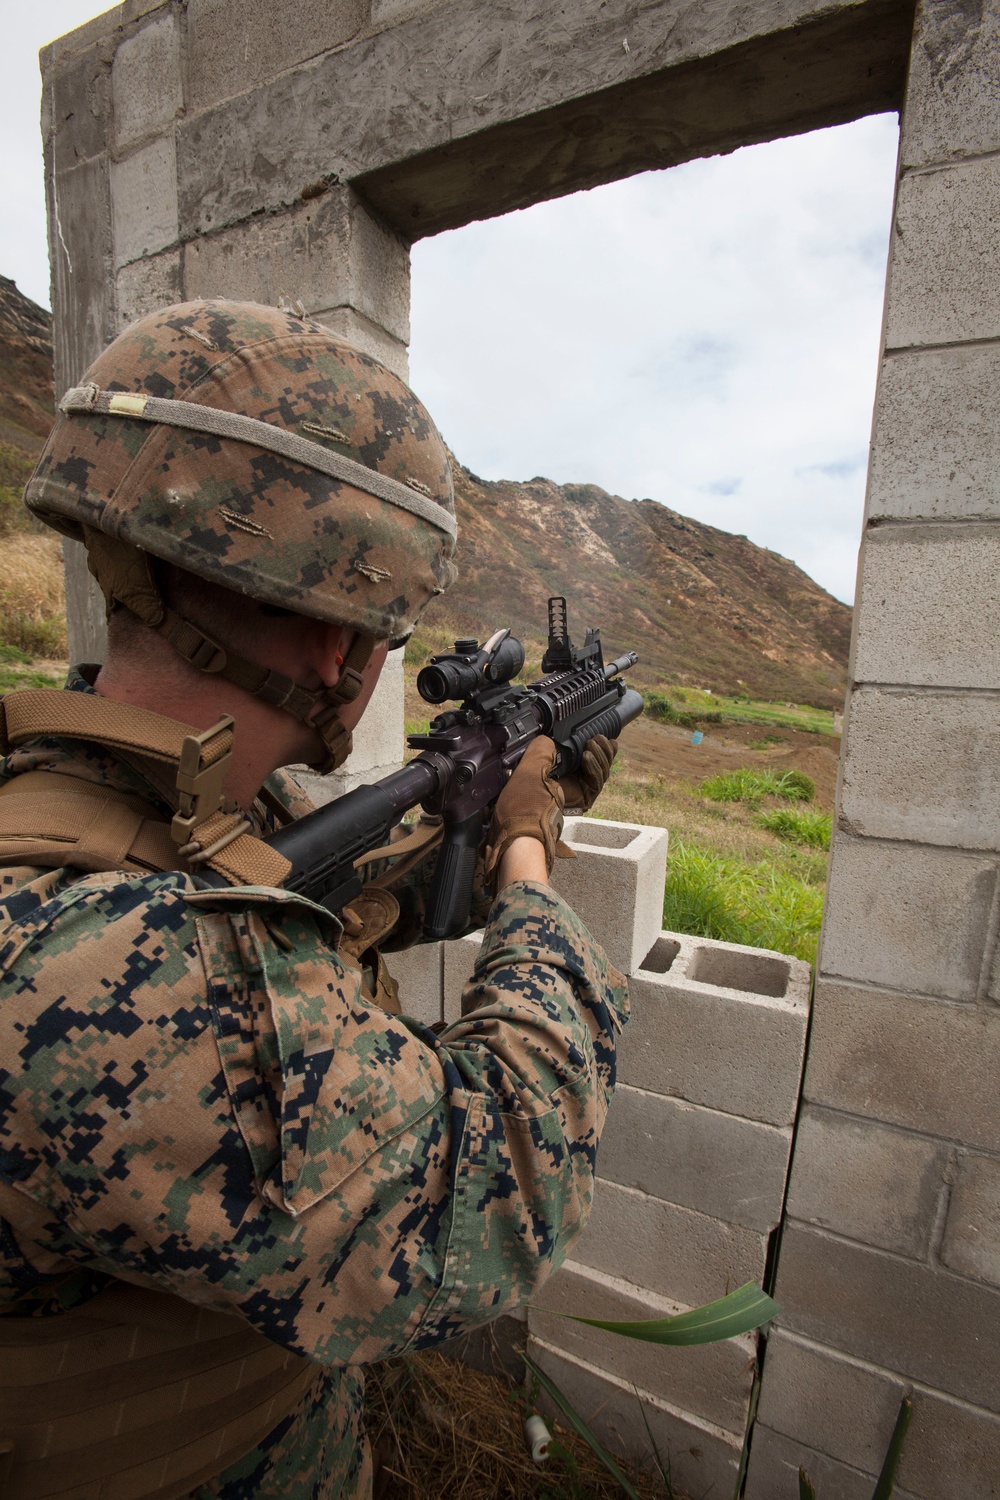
pixel 868 1182
pixel 704 1459
pixel 773 1471
pixel 460 956
pixel 76 108
pixel 718 1024
pixel 146 81
pixel 952 95
pixel 972 1231
pixel 672 1250
pixel 906 916
pixel 378 741
pixel 145 285
pixel 941 287
pixel 712 1381
pixel 952 1449
pixel 923 1064
pixel 918 1320
pixel 272 38
pixel 935 445
pixel 813 1395
pixel 923 765
pixel 615 885
pixel 418 972
pixel 927 597
pixel 328 252
pixel 144 200
pixel 699 1158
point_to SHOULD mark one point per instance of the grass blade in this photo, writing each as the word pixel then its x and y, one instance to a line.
pixel 807 1490
pixel 571 1414
pixel 887 1478
pixel 746 1308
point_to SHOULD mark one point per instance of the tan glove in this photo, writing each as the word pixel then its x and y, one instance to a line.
pixel 530 806
pixel 582 789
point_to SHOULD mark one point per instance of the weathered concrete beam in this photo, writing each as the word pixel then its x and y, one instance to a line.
pixel 841 65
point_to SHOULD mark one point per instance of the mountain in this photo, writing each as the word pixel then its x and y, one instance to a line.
pixel 702 607
pixel 26 400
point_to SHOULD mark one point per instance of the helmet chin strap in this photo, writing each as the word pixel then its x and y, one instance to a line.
pixel 126 578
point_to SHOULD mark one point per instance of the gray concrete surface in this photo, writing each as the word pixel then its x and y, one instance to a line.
pixel 872 1183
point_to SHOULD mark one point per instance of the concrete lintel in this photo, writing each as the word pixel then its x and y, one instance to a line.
pixel 826 70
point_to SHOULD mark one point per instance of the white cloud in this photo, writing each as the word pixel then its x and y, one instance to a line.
pixel 707 336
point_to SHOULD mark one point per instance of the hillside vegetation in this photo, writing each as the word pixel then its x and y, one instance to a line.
pixel 703 608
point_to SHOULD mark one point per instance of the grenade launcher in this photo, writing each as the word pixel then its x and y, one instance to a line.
pixel 465 759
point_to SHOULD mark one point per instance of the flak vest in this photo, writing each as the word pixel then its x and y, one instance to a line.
pixel 138 1394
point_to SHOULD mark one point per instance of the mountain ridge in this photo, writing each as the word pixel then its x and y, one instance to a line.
pixel 702 606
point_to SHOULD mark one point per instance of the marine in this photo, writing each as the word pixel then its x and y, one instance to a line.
pixel 232 1173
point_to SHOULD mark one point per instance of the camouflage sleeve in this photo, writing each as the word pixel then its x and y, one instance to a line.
pixel 197 1097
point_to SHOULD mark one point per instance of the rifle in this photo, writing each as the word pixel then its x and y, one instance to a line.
pixel 464 762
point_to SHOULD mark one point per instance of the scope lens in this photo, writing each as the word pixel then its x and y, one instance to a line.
pixel 447 679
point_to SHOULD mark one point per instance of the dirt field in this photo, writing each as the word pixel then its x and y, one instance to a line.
pixel 651 749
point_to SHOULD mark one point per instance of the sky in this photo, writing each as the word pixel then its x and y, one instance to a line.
pixel 705 336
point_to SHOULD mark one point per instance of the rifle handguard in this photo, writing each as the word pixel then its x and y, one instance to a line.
pixel 530 806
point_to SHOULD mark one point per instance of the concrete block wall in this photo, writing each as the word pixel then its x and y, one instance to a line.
pixel 692 1166
pixel 889 1268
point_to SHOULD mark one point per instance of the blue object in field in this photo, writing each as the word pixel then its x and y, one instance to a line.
pixel 697 737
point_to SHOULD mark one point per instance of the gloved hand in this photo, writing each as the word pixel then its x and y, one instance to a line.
pixel 530 806
pixel 581 790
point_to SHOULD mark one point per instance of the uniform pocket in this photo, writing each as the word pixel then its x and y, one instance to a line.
pixel 318 1081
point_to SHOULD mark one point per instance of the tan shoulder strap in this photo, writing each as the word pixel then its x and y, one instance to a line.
pixel 36 713
pixel 63 820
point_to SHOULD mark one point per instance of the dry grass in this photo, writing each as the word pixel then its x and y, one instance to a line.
pixel 32 596
pixel 440 1428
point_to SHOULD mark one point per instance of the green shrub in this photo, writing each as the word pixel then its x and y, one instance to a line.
pixel 665 711
pixel 797 786
pixel 800 825
pixel 758 905
pixel 752 786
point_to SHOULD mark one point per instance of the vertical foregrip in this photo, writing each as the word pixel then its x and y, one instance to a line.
pixel 450 899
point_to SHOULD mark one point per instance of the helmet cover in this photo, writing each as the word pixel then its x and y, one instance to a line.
pixel 232 509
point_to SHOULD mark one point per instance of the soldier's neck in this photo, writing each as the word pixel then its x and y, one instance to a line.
pixel 264 738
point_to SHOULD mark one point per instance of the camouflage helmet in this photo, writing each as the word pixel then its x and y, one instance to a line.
pixel 262 453
pixel 353 522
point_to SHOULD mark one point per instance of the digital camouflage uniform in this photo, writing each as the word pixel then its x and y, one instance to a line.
pixel 195 1094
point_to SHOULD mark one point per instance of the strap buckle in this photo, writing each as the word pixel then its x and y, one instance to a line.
pixel 199 786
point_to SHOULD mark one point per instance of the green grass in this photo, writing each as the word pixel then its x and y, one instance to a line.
pixel 759 905
pixel 19 670
pixel 752 786
pixel 727 877
pixel 689 707
pixel 800 825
